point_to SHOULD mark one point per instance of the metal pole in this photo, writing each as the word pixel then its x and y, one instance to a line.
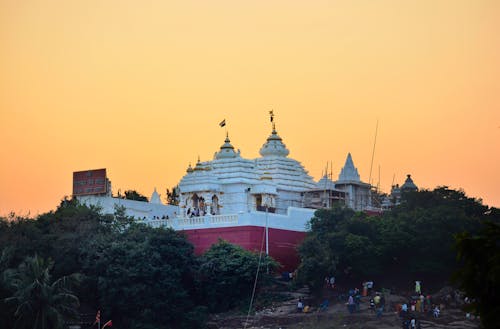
pixel 267 233
pixel 267 239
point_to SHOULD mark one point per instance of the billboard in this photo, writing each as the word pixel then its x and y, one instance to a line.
pixel 90 182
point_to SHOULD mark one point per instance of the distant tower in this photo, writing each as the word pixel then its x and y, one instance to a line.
pixel 358 192
pixel 155 197
pixel 396 191
pixel 349 172
pixel 409 185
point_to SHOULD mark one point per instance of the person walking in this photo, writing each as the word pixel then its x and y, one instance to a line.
pixel 350 304
pixel 300 305
pixel 418 287
pixel 380 308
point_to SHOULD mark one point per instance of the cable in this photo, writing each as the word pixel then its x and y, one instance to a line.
pixel 256 277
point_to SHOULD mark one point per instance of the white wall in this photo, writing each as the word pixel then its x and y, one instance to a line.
pixel 137 209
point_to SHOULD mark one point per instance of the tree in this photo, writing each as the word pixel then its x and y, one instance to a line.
pixel 134 195
pixel 412 241
pixel 479 275
pixel 145 278
pixel 40 303
pixel 341 243
pixel 66 231
pixel 228 273
pixel 120 219
pixel 173 196
pixel 6 310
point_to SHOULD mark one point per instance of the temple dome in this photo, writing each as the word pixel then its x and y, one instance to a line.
pixel 349 172
pixel 200 166
pixel 226 150
pixel 409 185
pixel 325 183
pixel 274 146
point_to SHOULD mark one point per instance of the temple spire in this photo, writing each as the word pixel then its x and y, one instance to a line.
pixel 349 172
pixel 226 150
pixel 274 145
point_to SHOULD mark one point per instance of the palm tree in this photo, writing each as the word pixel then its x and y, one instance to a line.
pixel 39 303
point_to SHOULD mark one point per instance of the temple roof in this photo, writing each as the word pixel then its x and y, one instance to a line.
pixel 409 185
pixel 325 183
pixel 274 146
pixel 155 197
pixel 226 150
pixel 349 172
pixel 287 174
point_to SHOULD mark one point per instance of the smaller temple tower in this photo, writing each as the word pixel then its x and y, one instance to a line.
pixel 155 197
pixel 397 191
pixel 358 192
pixel 409 185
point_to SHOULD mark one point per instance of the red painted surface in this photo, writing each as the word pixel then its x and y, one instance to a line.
pixel 89 182
pixel 282 243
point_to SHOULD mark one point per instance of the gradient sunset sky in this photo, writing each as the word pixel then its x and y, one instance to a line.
pixel 139 88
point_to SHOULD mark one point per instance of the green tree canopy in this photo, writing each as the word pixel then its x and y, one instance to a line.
pixel 41 303
pixel 126 267
pixel 134 195
pixel 228 275
pixel 413 241
pixel 145 278
pixel 479 275
pixel 173 196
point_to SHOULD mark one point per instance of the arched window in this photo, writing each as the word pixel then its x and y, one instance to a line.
pixel 258 202
pixel 215 205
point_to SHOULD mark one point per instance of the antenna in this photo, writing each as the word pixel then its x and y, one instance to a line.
pixel 378 184
pixel 373 153
pixel 324 202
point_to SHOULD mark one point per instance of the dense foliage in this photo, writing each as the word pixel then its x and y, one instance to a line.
pixel 137 276
pixel 172 196
pixel 134 195
pixel 40 302
pixel 479 275
pixel 228 275
pixel 414 241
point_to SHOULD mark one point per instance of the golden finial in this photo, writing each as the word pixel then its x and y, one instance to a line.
pixel 271 114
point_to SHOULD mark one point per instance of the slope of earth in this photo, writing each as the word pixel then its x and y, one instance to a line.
pixel 284 315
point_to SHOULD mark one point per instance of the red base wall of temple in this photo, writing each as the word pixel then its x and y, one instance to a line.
pixel 282 243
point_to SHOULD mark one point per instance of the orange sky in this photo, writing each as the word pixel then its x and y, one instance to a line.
pixel 139 87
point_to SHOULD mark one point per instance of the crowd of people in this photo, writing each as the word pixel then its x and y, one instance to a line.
pixel 156 217
pixel 417 306
pixel 200 212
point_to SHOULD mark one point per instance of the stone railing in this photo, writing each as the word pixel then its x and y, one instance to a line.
pixel 186 222
pixel 156 223
pixel 189 221
pixel 219 219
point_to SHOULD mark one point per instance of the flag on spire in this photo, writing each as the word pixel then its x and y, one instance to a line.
pixel 222 123
pixel 271 113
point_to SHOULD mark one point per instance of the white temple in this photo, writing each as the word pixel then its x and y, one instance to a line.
pixel 232 185
pixel 269 199
pixel 273 182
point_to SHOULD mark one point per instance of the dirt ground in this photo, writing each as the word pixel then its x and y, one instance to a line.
pixel 336 316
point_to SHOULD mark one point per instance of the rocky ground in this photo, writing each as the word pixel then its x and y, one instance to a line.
pixel 283 315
